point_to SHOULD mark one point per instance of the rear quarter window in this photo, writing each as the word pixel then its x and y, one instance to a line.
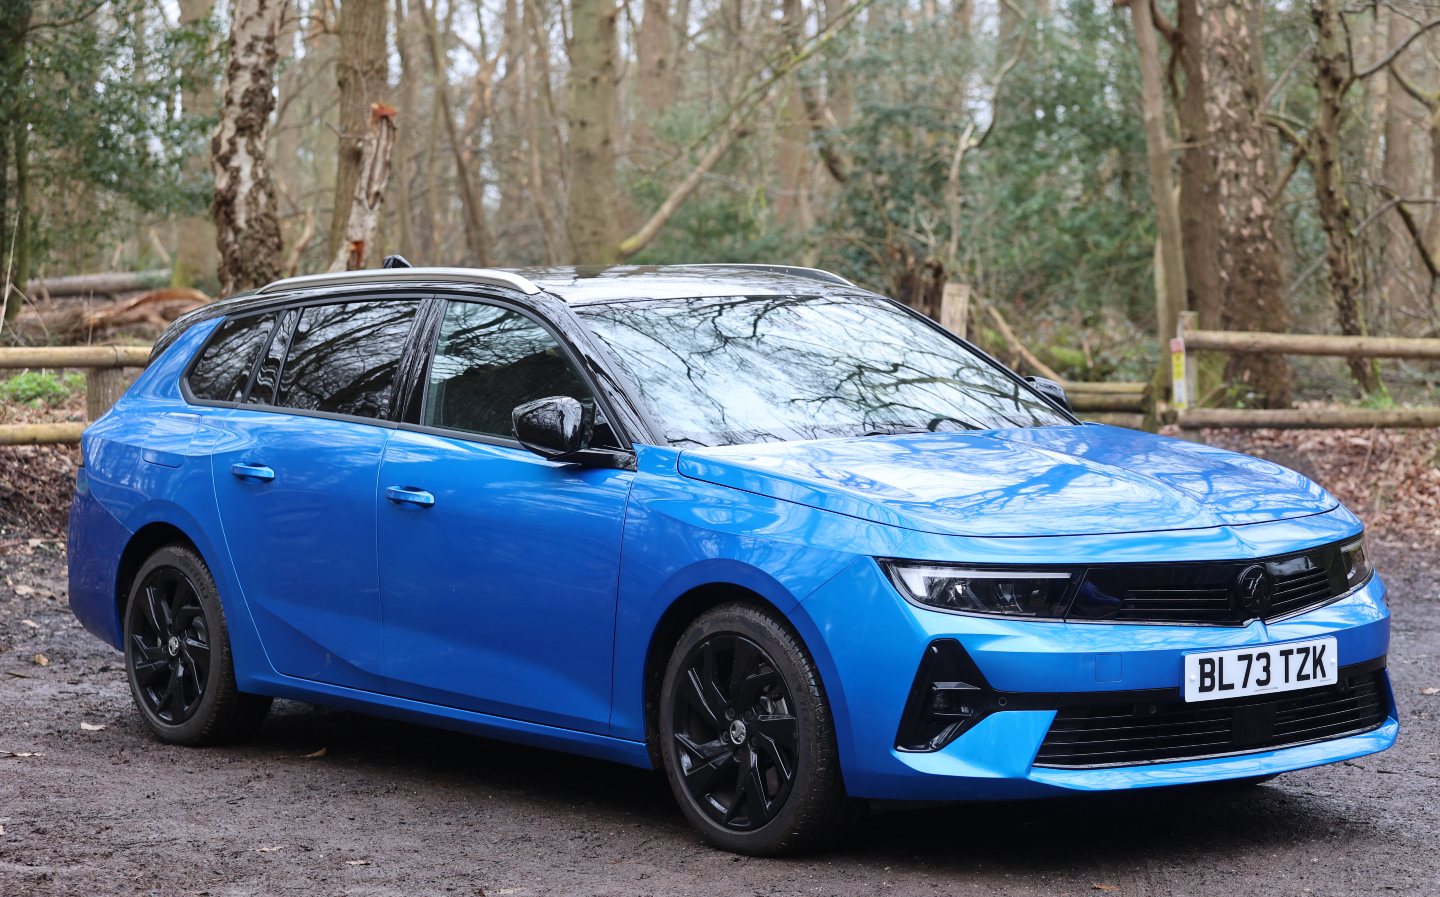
pixel 223 371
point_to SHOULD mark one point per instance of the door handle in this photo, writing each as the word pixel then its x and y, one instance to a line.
pixel 409 495
pixel 257 472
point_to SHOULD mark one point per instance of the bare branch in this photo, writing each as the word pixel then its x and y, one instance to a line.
pixel 1395 51
pixel 1285 75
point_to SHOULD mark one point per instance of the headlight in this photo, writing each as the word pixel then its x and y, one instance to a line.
pixel 1354 564
pixel 1011 593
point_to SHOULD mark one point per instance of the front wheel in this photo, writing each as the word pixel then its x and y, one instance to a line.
pixel 177 654
pixel 747 737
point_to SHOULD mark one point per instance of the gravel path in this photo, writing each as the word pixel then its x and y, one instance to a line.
pixel 391 808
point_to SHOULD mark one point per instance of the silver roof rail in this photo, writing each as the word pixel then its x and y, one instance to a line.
pixel 792 270
pixel 486 276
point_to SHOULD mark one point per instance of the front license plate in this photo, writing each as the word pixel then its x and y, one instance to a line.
pixel 1260 670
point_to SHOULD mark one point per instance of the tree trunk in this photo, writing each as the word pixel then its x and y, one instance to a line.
pixel 195 257
pixel 406 121
pixel 1199 188
pixel 1171 301
pixel 369 191
pixel 508 138
pixel 1253 292
pixel 1332 69
pixel 477 231
pixel 1398 168
pixel 360 72
pixel 247 231
pixel 793 132
pixel 535 181
pixel 593 220
pixel 20 270
pixel 655 80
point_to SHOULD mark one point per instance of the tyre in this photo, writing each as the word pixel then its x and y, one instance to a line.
pixel 177 654
pixel 747 736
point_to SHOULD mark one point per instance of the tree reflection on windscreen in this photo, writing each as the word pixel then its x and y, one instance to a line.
pixel 736 370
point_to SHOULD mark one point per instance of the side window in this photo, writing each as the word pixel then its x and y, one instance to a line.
pixel 487 361
pixel 223 370
pixel 262 391
pixel 343 358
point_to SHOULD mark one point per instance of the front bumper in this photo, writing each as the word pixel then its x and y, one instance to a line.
pixel 871 642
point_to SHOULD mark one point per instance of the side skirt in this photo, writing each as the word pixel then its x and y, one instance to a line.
pixel 601 747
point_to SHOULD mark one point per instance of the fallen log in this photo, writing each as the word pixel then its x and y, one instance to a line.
pixel 1248 343
pixel 41 434
pixel 98 284
pixel 1308 418
pixel 1105 401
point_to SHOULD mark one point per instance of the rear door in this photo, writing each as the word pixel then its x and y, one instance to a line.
pixel 498 569
pixel 295 475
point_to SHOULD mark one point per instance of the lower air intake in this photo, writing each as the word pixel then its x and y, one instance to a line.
pixel 1098 735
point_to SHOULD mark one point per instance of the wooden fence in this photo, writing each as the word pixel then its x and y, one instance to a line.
pixel 104 384
pixel 1190 339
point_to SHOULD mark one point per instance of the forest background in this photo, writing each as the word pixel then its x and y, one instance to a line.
pixel 1088 169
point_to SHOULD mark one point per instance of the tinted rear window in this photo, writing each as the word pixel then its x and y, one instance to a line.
pixel 343 358
pixel 224 367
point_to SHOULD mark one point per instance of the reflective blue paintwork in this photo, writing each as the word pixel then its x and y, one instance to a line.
pixel 479 587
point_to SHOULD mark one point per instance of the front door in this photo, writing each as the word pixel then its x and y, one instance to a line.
pixel 295 473
pixel 498 569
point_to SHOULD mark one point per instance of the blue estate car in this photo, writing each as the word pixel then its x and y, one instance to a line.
pixel 784 538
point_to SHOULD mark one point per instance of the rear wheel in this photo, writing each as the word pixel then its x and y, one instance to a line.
pixel 747 737
pixel 177 654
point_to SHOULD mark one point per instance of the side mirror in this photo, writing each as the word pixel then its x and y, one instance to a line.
pixel 554 427
pixel 1050 390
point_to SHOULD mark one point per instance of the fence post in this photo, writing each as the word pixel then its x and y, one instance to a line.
pixel 955 308
pixel 103 388
pixel 1189 320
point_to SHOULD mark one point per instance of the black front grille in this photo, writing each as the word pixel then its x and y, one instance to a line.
pixel 1299 590
pixel 1135 733
pixel 1210 593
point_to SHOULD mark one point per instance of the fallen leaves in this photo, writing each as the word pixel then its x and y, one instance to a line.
pixel 1430 691
pixel 1107 887
pixel 31 623
pixel 42 660
pixel 92 728
pixel 269 849
pixel 1388 477
pixel 22 590
pixel 319 753
pixel 357 862
pixel 21 754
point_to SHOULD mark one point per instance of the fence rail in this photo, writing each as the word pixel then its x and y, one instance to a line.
pixel 104 384
pixel 1192 420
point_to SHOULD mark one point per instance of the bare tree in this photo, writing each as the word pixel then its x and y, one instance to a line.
pixel 247 231
pixel 1170 300
pixel 361 75
pixel 1253 292
pixel 593 215
pixel 195 234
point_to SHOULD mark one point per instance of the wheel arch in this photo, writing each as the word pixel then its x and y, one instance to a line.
pixel 146 541
pixel 677 617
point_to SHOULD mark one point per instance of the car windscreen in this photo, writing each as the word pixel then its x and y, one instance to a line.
pixel 745 369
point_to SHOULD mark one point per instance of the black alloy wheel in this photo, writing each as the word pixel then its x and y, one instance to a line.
pixel 171 644
pixel 177 654
pixel 735 735
pixel 746 735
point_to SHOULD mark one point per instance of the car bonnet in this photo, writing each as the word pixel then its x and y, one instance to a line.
pixel 1086 480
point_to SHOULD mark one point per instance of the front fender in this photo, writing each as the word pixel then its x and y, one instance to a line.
pixel 681 534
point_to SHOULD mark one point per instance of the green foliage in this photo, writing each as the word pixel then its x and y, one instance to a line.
pixel 1055 205
pixel 96 84
pixel 40 387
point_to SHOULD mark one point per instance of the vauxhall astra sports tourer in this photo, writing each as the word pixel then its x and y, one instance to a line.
pixel 781 537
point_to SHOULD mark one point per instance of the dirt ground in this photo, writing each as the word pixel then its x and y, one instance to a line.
pixel 99 807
